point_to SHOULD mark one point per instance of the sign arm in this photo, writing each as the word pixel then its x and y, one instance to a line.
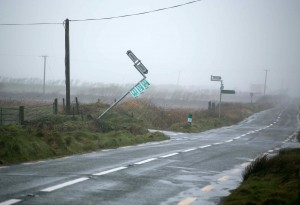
pixel 121 98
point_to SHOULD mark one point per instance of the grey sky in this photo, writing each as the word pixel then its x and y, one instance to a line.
pixel 236 39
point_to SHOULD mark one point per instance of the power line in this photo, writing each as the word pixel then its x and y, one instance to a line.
pixel 137 14
pixel 100 19
pixel 28 24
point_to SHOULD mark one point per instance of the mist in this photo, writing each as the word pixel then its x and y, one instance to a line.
pixel 181 47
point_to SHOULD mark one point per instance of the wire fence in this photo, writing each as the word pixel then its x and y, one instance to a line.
pixel 36 112
pixel 26 114
pixel 9 116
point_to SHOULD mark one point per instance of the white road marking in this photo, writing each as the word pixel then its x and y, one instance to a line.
pixel 59 186
pixel 169 155
pixel 207 188
pixel 145 161
pixel 205 146
pixel 243 135
pixel 237 137
pixel 11 201
pixel 187 201
pixel 229 140
pixel 223 179
pixel 188 150
pixel 270 151
pixel 109 171
pixel 218 143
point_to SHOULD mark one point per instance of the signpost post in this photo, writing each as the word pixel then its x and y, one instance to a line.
pixel 222 91
pixel 139 88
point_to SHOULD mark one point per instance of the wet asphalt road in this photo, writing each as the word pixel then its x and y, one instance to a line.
pixel 187 169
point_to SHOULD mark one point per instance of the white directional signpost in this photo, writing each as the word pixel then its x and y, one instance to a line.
pixel 139 88
pixel 215 78
pixel 222 91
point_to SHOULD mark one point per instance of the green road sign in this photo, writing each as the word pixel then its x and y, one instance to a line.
pixel 139 88
pixel 145 84
pixel 228 91
pixel 134 92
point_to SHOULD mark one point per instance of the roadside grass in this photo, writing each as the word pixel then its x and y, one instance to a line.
pixel 21 144
pixel 268 181
pixel 48 136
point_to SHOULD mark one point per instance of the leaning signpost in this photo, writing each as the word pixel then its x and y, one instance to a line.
pixel 222 91
pixel 138 88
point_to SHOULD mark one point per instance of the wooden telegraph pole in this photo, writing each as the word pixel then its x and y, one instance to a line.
pixel 67 64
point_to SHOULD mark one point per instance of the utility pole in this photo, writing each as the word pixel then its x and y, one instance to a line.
pixel 266 75
pixel 67 65
pixel 45 59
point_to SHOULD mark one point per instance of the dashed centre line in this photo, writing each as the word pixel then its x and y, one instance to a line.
pixel 11 201
pixel 145 161
pixel 204 146
pixel 110 171
pixel 188 150
pixel 59 186
pixel 170 155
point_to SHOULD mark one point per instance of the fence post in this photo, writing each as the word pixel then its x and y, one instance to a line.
pixel 21 115
pixel 1 116
pixel 64 106
pixel 55 106
pixel 77 106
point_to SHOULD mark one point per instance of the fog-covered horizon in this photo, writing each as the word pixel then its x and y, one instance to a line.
pixel 181 47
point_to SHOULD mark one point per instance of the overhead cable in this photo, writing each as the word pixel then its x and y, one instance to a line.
pixel 99 19
pixel 136 14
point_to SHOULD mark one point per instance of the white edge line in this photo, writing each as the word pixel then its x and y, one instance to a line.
pixel 109 171
pixel 59 186
pixel 145 161
pixel 11 201
pixel 169 155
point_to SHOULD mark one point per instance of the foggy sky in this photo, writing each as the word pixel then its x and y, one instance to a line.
pixel 235 39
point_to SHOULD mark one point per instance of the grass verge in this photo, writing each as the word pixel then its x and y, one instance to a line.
pixel 47 136
pixel 269 181
pixel 20 144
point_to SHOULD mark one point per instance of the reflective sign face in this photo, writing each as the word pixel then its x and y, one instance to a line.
pixel 132 56
pixel 140 88
pixel 228 91
pixel 134 92
pixel 145 83
pixel 141 68
pixel 215 78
